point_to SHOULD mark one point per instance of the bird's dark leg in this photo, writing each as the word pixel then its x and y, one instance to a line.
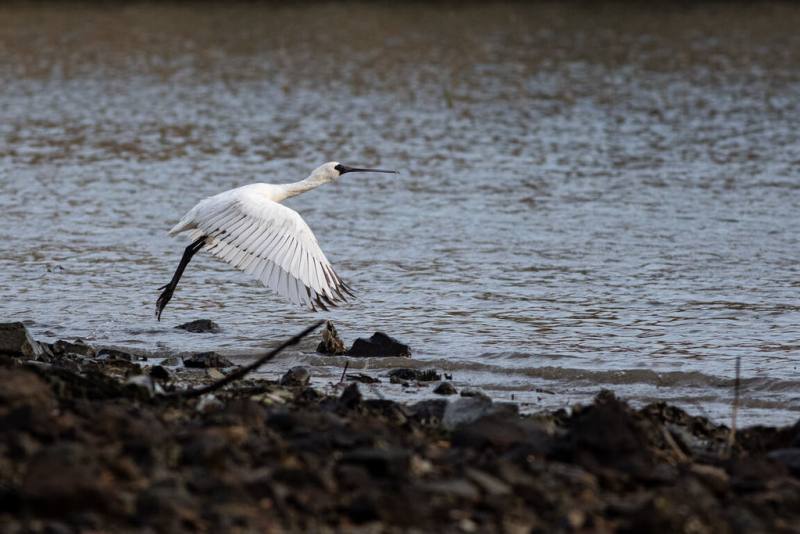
pixel 168 289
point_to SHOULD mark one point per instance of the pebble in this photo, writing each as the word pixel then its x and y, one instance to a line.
pixel 445 388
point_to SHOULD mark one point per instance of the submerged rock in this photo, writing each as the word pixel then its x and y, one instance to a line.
pixel 204 360
pixel 379 345
pixel 200 326
pixel 363 378
pixel 296 376
pixel 15 340
pixel 404 374
pixel 331 342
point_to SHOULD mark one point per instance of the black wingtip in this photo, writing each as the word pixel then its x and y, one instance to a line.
pixel 320 304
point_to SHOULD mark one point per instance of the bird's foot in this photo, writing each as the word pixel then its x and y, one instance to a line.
pixel 163 299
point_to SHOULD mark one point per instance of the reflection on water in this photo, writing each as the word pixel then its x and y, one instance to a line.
pixel 589 197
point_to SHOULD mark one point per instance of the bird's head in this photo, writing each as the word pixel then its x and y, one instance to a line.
pixel 332 170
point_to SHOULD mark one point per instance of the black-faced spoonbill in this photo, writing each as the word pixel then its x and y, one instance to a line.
pixel 249 228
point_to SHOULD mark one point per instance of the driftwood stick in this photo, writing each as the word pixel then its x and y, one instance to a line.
pixel 247 369
pixel 735 410
pixel 344 373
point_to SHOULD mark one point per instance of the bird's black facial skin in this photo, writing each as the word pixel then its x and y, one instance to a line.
pixel 344 168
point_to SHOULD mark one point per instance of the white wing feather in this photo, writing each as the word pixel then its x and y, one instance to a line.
pixel 268 241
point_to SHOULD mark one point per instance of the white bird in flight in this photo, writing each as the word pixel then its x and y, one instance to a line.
pixel 249 228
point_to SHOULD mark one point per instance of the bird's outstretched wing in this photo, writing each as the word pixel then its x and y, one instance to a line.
pixel 268 241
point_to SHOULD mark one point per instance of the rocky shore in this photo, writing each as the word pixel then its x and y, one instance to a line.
pixel 99 440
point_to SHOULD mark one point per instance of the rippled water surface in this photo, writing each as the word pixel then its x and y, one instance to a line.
pixel 589 197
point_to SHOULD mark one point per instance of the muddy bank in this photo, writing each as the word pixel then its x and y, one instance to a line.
pixel 91 441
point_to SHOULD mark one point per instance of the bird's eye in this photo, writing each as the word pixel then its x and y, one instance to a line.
pixel 340 168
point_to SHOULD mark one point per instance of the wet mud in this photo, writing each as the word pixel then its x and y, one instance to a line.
pixel 96 441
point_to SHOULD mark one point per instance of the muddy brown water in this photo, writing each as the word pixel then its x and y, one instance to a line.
pixel 589 197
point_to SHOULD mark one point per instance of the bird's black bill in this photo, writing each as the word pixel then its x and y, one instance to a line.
pixel 344 168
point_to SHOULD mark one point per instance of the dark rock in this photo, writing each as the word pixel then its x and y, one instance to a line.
pixel 296 376
pixel 608 433
pixel 16 341
pixel 378 345
pixel 389 463
pixel 203 360
pixel 350 397
pixel 171 361
pixel 404 374
pixel 160 373
pixel 755 474
pixel 795 432
pixel 445 388
pixel 471 392
pixel 502 432
pixel 143 383
pixel 115 354
pixel 308 395
pixel 788 457
pixel 389 410
pixel 79 346
pixel 401 375
pixel 429 411
pixel 363 508
pixel 364 379
pixel 331 342
pixel 200 326
pixel 465 410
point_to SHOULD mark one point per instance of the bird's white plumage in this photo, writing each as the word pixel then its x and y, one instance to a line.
pixel 250 230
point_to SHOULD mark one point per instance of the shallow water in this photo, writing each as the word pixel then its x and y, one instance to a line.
pixel 589 197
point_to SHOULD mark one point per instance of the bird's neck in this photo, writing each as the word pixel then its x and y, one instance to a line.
pixel 291 190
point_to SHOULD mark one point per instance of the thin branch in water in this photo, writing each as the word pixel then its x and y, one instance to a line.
pixel 735 410
pixel 247 369
pixel 346 365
